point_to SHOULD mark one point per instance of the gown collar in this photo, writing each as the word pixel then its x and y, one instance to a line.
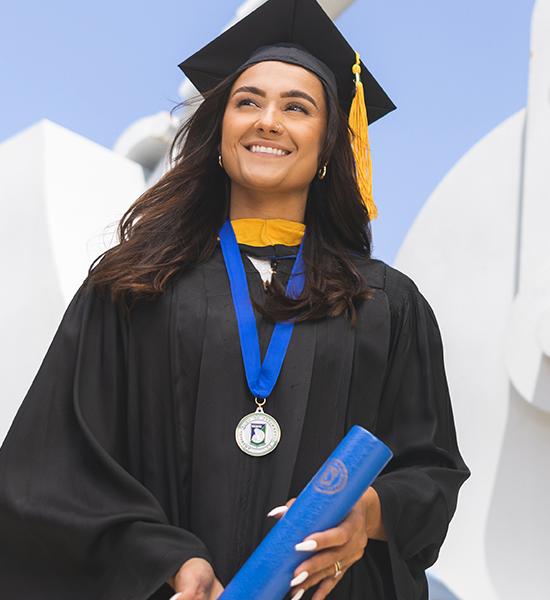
pixel 262 233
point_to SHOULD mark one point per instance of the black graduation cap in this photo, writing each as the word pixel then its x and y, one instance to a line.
pixel 300 32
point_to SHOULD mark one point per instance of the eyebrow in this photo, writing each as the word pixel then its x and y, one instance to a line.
pixel 290 94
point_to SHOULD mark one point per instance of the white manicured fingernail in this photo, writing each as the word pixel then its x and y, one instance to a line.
pixel 277 511
pixel 307 545
pixel 176 596
pixel 300 578
pixel 298 595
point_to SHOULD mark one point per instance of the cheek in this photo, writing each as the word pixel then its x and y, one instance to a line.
pixel 233 131
pixel 235 124
pixel 311 143
pixel 226 132
pixel 321 134
pixel 230 126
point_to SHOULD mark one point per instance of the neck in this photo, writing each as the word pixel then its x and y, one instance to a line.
pixel 252 204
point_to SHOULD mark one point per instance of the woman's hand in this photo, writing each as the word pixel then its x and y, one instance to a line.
pixel 195 580
pixel 345 543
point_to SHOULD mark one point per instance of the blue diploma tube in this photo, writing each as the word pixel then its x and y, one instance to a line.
pixel 324 503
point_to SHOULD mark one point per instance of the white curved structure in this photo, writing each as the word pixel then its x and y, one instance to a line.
pixel 61 195
pixel 528 351
pixel 480 252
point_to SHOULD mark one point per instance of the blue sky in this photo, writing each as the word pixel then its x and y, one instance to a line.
pixel 454 68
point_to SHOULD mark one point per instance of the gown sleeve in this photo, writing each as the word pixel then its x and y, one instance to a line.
pixel 418 489
pixel 74 522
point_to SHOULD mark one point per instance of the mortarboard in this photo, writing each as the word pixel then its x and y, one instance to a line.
pixel 300 32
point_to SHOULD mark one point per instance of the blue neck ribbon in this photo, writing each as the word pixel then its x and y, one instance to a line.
pixel 261 377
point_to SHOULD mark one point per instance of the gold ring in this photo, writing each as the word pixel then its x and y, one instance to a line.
pixel 337 568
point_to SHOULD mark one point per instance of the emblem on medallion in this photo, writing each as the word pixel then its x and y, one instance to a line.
pixel 257 433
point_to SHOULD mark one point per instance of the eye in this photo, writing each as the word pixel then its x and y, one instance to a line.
pixel 299 107
pixel 245 101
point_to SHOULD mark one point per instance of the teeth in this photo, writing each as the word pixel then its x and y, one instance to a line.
pixel 275 151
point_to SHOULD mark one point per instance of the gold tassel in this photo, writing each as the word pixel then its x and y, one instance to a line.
pixel 358 123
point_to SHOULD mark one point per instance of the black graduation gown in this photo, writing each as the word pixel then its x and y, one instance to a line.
pixel 121 462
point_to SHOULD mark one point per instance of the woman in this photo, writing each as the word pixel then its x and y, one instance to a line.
pixel 123 474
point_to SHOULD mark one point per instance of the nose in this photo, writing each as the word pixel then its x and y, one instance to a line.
pixel 267 121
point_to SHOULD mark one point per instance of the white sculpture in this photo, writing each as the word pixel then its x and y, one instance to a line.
pixel 61 196
pixel 480 252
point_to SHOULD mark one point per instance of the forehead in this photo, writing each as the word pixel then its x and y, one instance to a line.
pixel 277 75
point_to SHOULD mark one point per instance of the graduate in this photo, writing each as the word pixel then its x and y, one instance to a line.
pixel 215 357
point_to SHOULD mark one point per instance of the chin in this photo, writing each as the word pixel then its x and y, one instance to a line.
pixel 265 182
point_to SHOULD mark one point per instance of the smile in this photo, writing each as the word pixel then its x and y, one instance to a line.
pixel 267 150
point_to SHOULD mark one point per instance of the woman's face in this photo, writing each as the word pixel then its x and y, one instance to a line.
pixel 274 106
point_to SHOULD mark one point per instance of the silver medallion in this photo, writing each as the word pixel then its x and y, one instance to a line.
pixel 258 433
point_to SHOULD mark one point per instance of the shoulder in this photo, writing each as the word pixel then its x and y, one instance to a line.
pixel 397 286
pixel 405 300
pixel 408 309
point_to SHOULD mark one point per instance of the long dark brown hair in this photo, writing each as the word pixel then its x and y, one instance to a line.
pixel 173 225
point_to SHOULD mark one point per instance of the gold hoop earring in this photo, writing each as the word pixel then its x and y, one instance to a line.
pixel 322 172
pixel 220 160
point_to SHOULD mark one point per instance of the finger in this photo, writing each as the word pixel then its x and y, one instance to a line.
pixel 193 592
pixel 278 511
pixel 317 568
pixel 330 538
pixel 319 562
pixel 189 595
pixel 325 587
pixel 217 590
pixel 313 580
